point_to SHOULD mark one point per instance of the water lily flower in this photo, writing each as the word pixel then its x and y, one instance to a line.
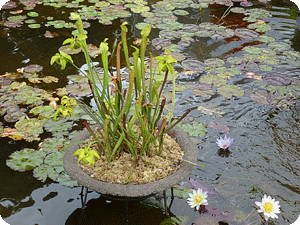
pixel 224 143
pixel 269 207
pixel 197 198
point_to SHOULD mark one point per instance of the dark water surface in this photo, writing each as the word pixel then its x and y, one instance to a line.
pixel 265 152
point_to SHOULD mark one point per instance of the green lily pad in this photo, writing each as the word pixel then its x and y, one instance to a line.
pixel 252 50
pixel 161 42
pixel 259 97
pixel 201 89
pixel 54 145
pixel 65 180
pixel 31 128
pixel 265 68
pixel 266 39
pixel 193 65
pixel 238 10
pixel 195 130
pixel 43 111
pixel 54 159
pixel 18 18
pixel 228 91
pixel 213 79
pixel 279 46
pixel 102 4
pixel 214 62
pixel 246 33
pixel 30 21
pixel 259 27
pixel 26 159
pixel 141 25
pixel 235 60
pixel 79 89
pixel 181 12
pixel 44 171
pixel 58 126
pixel 33 68
pixel 33 14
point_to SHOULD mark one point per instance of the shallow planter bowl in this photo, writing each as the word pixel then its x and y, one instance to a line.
pixel 131 190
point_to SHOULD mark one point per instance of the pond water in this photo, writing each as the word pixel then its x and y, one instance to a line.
pixel 249 90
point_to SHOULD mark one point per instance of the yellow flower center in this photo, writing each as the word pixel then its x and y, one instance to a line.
pixel 268 207
pixel 198 199
pixel 225 145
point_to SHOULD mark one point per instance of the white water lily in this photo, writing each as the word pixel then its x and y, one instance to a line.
pixel 268 207
pixel 197 198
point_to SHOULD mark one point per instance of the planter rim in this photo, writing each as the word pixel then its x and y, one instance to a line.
pixel 132 190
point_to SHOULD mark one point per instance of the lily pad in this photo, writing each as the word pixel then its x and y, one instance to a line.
pixel 31 128
pixel 44 171
pixel 279 46
pixel 65 180
pixel 214 62
pixel 9 5
pixel 213 79
pixel 193 65
pixel 246 33
pixel 276 79
pixel 12 24
pixel 259 97
pixel 54 145
pixel 246 4
pixel 54 159
pixel 228 91
pixel 34 68
pixel 26 159
pixel 195 130
pixel 235 60
pixel 181 12
pixel 160 43
pixel 259 27
pixel 79 89
pixel 266 39
pixel 33 14
pixel 43 111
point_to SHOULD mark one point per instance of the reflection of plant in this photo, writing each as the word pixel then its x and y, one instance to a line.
pixel 226 13
pixel 115 114
pixel 66 109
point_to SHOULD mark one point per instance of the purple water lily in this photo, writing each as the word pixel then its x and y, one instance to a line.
pixel 224 143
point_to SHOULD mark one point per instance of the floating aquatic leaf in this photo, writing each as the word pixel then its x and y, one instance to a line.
pixel 178 56
pixel 34 68
pixel 13 116
pixel 246 33
pixel 60 126
pixel 201 89
pixel 102 4
pixel 252 50
pixel 259 27
pixel 9 5
pixel 181 12
pixel 214 62
pixel 238 10
pixel 54 159
pixel 217 125
pixel 174 48
pixel 77 79
pixel 228 91
pixel 12 24
pixel 259 97
pixel 12 133
pixel 18 18
pixel 293 62
pixel 33 14
pixel 279 46
pixel 66 49
pixel 44 171
pixel 213 79
pixel 266 39
pixel 26 159
pixel 235 60
pixel 169 34
pixel 141 25
pixel 43 111
pixel 175 220
pixel 251 67
pixel 65 180
pixel 30 21
pixel 140 9
pixel 54 145
pixel 292 55
pixel 265 68
pixel 259 13
pixel 276 79
pixel 196 185
pixel 30 127
pixel 195 130
pixel 170 26
pixel 159 43
pixel 79 89
pixel 206 219
pixel 193 65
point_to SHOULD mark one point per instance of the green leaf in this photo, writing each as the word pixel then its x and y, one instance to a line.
pixel 26 159
pixel 65 180
pixel 44 171
pixel 54 159
pixel 229 90
pixel 54 145
pixel 198 129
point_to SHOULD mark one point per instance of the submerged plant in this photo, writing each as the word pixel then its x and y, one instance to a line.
pixel 123 126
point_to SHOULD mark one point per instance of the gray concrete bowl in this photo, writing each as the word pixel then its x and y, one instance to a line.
pixel 132 190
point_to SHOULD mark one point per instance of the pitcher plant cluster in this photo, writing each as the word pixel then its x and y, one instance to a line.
pixel 130 119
